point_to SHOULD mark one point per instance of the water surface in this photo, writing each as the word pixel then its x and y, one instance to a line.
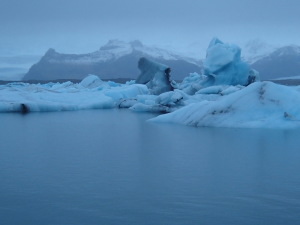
pixel 113 167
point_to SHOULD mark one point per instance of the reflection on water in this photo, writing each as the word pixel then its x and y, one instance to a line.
pixel 112 167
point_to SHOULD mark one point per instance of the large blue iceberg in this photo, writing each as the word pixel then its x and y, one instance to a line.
pixel 223 65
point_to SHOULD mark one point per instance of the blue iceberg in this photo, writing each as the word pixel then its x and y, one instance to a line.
pixel 223 65
pixel 155 75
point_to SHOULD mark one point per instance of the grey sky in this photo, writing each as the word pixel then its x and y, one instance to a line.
pixel 77 26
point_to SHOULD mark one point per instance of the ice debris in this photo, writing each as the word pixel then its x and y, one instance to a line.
pixel 163 103
pixel 91 81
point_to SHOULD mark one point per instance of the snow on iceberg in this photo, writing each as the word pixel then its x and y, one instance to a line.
pixel 173 100
pixel 91 81
pixel 89 94
pixel 163 103
pixel 192 83
pixel 261 104
pixel 155 75
pixel 223 65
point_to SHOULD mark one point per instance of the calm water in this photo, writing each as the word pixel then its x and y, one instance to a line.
pixel 112 167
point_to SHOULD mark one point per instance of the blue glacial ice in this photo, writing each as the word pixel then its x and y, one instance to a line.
pixel 155 75
pixel 90 93
pixel 223 65
pixel 261 104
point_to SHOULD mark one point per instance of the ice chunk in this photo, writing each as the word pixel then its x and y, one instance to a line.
pixel 192 83
pixel 155 75
pixel 220 90
pixel 253 76
pixel 171 98
pixel 126 91
pixel 223 65
pixel 165 102
pixel 126 102
pixel 213 89
pixel 91 81
pixel 261 104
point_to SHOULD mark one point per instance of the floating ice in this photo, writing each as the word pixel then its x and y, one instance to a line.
pixel 155 75
pixel 192 83
pixel 165 102
pixel 262 104
pixel 91 81
pixel 89 94
pixel 223 65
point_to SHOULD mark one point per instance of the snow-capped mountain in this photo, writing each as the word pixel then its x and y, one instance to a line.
pixel 116 59
pixel 256 49
pixel 283 62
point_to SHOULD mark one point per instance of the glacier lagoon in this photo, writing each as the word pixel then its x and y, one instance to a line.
pixel 114 167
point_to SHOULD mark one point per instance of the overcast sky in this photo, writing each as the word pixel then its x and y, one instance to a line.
pixel 80 26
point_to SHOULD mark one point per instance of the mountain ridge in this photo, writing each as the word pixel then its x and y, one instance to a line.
pixel 116 59
pixel 282 62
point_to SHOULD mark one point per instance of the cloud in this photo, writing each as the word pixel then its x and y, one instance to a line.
pixel 81 25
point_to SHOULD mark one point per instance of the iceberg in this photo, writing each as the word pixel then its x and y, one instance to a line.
pixel 155 75
pixel 91 81
pixel 261 104
pixel 91 93
pixel 223 65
